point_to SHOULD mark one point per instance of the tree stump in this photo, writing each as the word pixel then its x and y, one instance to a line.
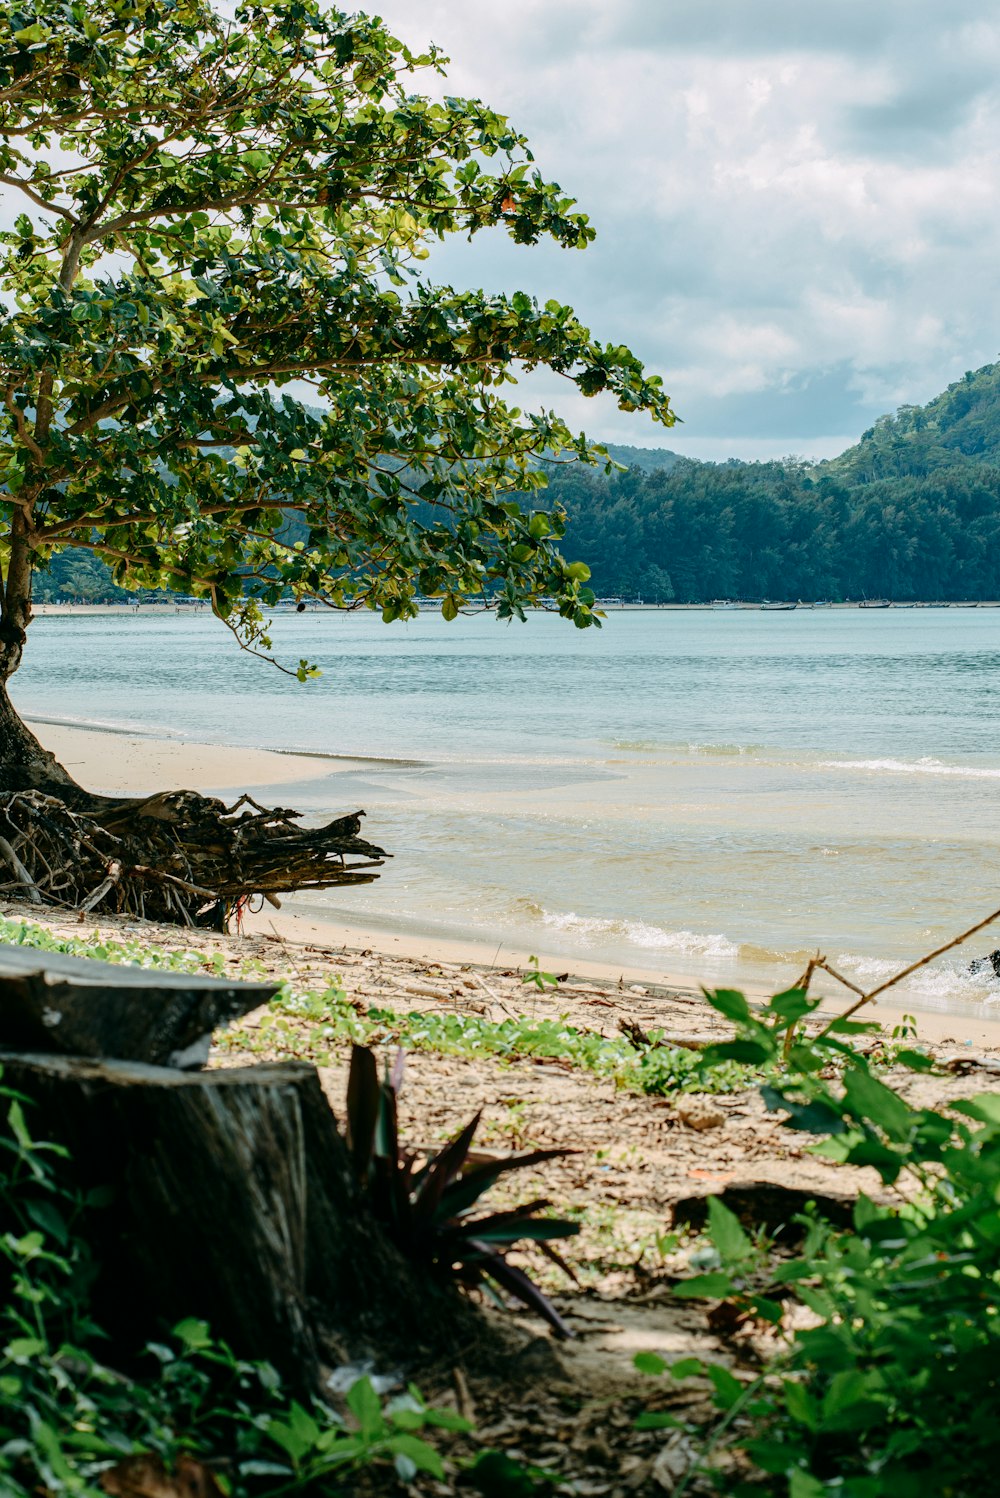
pixel 78 1006
pixel 233 1200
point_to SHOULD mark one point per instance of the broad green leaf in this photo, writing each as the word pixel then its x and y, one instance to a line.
pixel 731 1003
pixel 366 1407
pixel 872 1101
pixel 726 1233
pixel 705 1287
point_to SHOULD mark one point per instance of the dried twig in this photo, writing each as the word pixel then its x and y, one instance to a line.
pixel 867 998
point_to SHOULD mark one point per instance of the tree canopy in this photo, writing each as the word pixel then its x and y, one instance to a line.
pixel 225 219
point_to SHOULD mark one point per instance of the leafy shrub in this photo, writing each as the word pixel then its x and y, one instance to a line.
pixel 893 1389
pixel 69 1423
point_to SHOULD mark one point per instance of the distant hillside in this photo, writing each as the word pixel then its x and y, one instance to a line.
pixel 649 459
pixel 911 512
pixel 959 427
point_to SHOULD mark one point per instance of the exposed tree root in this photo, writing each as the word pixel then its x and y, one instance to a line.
pixel 177 856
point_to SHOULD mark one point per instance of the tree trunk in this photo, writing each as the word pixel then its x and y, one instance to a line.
pixel 175 856
pixel 233 1201
pixel 24 764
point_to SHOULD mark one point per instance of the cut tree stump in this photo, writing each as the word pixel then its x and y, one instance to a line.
pixel 77 1006
pixel 233 1201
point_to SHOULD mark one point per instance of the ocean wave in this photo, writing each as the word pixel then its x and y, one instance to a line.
pixel 708 750
pixel 943 980
pixel 925 766
pixel 600 930
pixel 121 727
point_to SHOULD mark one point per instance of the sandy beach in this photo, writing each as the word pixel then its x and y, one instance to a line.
pixel 116 763
pixel 635 1163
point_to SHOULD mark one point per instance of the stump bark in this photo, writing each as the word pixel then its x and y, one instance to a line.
pixel 233 1200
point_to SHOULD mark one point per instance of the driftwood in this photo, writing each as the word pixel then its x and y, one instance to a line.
pixel 79 1007
pixel 232 1201
pixel 177 856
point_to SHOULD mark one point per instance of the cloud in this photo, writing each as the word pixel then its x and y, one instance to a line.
pixel 796 206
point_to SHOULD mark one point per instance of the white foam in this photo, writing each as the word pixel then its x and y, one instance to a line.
pixel 598 929
pixel 925 766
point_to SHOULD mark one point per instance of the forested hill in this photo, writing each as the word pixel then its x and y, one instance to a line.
pixel 960 426
pixel 911 512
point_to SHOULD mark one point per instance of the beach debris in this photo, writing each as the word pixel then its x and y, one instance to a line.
pixel 698 1113
pixel 643 1041
pixel 177 856
pixel 981 964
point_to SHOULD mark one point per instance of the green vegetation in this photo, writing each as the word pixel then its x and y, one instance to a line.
pixel 890 1386
pixel 309 1025
pixel 911 512
pixel 430 1208
pixel 214 206
pixel 192 1408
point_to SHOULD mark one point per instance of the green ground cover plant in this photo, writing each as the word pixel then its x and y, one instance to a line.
pixel 309 1024
pixel 888 1387
pixel 67 1419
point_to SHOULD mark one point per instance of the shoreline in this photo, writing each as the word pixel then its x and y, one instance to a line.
pixel 116 762
pixel 614 606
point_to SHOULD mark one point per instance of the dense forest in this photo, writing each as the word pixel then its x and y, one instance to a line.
pixel 911 512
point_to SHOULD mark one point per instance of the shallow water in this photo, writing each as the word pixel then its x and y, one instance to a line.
pixel 710 793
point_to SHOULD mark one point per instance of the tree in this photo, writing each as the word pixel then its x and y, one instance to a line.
pixel 219 216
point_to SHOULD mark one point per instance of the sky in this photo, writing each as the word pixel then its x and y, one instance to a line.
pixel 796 203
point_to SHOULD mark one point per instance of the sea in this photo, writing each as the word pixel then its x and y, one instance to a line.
pixel 713 793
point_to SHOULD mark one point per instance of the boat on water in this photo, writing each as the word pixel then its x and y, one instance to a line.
pixel 777 608
pixel 724 603
pixel 875 603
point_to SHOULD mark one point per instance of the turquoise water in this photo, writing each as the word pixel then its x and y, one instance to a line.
pixel 710 793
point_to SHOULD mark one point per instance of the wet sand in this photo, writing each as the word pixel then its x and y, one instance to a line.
pixel 126 764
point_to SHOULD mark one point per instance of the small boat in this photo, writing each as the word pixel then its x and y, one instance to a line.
pixel 777 608
pixel 875 603
pixel 724 603
pixel 904 605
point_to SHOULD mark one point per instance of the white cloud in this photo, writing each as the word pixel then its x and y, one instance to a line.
pixel 796 204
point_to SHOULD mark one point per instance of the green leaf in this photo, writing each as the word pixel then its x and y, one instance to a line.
pixel 726 1233
pixel 656 1420
pixel 804 1485
pixel 728 1389
pixel 792 1005
pixel 422 1455
pixel 366 1407
pixel 872 1102
pixel 713 1286
pixel 650 1363
pixel 731 1003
